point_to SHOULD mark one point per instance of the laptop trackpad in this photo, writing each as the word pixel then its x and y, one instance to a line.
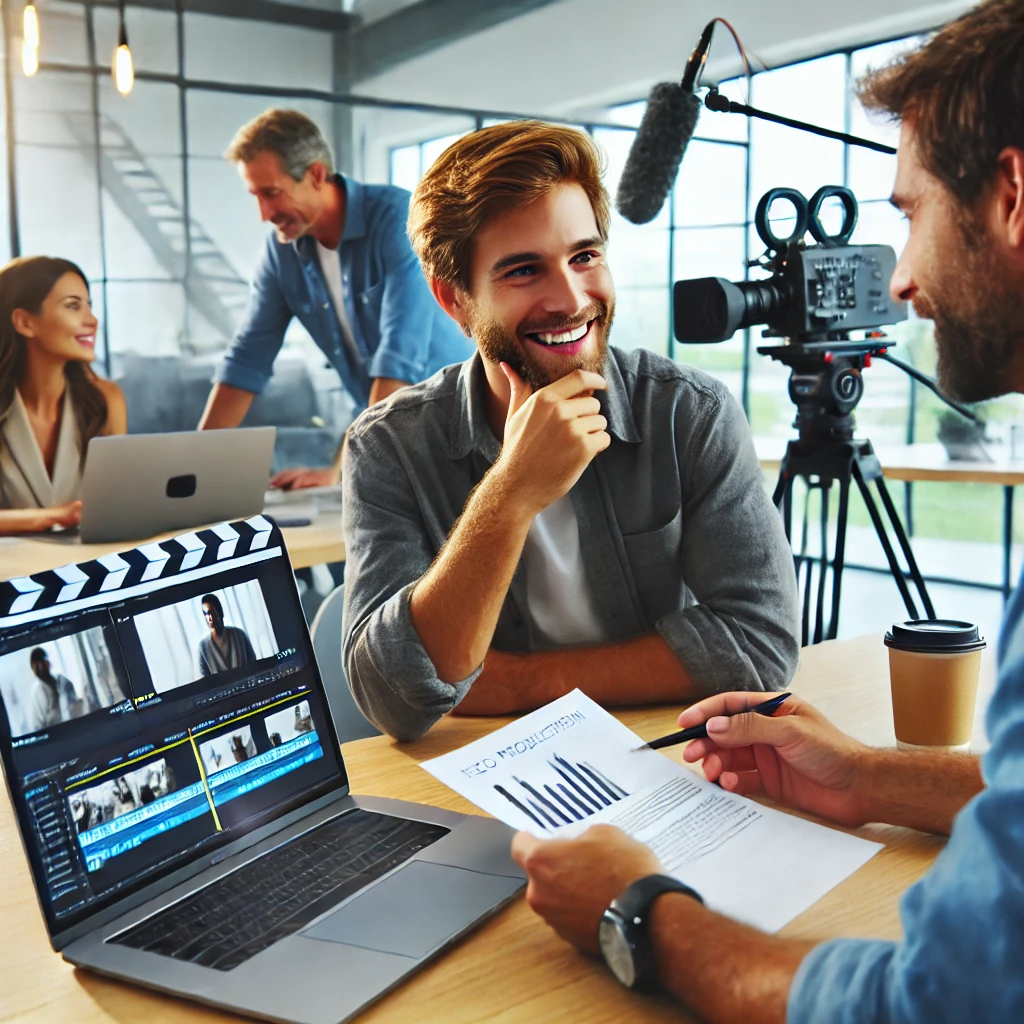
pixel 415 910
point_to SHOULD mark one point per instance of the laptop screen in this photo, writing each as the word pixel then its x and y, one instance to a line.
pixel 154 705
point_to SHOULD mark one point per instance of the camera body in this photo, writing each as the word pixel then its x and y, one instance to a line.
pixel 814 293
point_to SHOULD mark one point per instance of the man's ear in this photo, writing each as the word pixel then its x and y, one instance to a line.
pixel 452 300
pixel 318 174
pixel 1010 190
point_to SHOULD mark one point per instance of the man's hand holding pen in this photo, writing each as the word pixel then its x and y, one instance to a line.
pixel 796 757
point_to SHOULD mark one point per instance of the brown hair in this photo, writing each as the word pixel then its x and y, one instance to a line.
pixel 24 284
pixel 489 172
pixel 964 91
pixel 291 135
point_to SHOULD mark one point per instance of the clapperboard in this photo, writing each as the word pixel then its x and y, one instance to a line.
pixel 156 560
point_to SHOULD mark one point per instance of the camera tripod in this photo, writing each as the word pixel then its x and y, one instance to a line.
pixel 825 385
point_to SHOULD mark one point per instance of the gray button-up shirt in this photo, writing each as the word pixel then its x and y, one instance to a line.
pixel 676 531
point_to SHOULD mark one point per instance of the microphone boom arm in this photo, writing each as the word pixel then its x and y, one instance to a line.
pixel 720 104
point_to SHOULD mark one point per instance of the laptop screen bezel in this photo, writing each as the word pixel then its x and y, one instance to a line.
pixel 176 872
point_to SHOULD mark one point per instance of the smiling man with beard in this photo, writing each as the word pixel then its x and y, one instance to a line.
pixel 553 513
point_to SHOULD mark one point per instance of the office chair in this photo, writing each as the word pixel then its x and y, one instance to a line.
pixel 326 634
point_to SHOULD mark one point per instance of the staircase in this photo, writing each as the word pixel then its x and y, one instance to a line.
pixel 212 285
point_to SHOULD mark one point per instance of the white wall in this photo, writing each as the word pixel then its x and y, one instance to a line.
pixel 578 54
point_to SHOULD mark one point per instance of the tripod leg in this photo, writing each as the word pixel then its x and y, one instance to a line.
pixel 807 564
pixel 883 539
pixel 819 611
pixel 908 554
pixel 839 560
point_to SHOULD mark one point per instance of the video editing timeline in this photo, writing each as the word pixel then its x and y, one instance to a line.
pixel 216 729
pixel 116 811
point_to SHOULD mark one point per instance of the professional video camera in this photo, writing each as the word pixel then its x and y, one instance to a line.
pixel 815 297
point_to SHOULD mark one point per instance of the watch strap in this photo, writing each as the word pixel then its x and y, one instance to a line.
pixel 634 904
pixel 632 908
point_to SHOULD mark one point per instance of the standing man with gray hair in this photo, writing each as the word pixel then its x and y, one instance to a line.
pixel 339 259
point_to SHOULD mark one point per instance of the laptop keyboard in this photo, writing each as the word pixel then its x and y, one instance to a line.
pixel 230 920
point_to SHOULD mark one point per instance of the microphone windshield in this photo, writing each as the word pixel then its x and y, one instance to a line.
pixel 657 151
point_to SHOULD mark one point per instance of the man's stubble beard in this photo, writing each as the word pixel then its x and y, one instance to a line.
pixel 499 345
pixel 979 321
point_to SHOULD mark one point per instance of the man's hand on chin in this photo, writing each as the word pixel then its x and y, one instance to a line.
pixel 572 881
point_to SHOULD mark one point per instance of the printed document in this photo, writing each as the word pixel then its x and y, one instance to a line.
pixel 569 765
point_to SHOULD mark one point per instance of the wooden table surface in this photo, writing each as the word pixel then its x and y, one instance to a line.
pixel 914 462
pixel 317 543
pixel 512 968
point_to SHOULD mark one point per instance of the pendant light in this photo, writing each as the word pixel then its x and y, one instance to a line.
pixel 30 26
pixel 29 59
pixel 30 41
pixel 124 69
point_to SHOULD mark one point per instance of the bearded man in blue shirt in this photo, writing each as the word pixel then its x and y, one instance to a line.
pixel 339 260
pixel 960 183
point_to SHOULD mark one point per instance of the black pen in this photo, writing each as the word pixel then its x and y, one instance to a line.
pixel 700 732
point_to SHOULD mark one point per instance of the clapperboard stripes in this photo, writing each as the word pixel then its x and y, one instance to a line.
pixel 161 559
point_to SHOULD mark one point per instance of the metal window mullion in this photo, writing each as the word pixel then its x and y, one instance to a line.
pixel 94 99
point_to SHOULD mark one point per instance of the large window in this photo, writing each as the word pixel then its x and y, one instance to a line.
pixel 705 229
pixel 136 191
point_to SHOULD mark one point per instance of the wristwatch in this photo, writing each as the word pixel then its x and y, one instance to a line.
pixel 622 932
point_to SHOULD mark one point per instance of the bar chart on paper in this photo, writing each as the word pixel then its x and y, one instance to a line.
pixel 569 793
pixel 570 765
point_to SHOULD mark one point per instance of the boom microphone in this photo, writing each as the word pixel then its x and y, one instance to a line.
pixel 668 125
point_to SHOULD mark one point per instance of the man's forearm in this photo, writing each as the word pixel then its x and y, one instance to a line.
pixel 226 407
pixel 456 603
pixel 919 789
pixel 640 671
pixel 724 970
pixel 381 387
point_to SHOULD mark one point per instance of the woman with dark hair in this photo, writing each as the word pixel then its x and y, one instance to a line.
pixel 51 402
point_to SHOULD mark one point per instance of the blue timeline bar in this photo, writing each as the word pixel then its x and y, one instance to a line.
pixel 246 776
pixel 140 832
pixel 131 830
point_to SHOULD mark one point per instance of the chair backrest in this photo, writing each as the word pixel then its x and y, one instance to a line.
pixel 326 633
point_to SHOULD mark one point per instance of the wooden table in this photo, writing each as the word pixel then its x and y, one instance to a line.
pixel 512 968
pixel 913 463
pixel 315 544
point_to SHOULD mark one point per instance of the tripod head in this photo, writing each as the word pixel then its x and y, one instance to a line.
pixel 826 383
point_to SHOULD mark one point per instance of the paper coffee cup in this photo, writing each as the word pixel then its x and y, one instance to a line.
pixel 933 673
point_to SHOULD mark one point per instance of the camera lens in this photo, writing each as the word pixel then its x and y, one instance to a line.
pixel 711 309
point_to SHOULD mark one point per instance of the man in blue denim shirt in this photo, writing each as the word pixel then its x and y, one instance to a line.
pixel 960 182
pixel 340 260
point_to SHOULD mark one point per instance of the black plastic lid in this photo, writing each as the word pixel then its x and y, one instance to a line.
pixel 935 636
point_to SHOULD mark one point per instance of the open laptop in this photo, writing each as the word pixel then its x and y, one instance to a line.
pixel 138 485
pixel 181 796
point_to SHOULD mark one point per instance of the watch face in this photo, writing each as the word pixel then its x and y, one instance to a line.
pixel 617 952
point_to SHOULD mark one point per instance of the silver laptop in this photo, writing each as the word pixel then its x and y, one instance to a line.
pixel 138 485
pixel 182 800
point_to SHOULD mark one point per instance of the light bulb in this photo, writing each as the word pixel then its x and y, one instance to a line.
pixel 30 26
pixel 124 70
pixel 29 59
